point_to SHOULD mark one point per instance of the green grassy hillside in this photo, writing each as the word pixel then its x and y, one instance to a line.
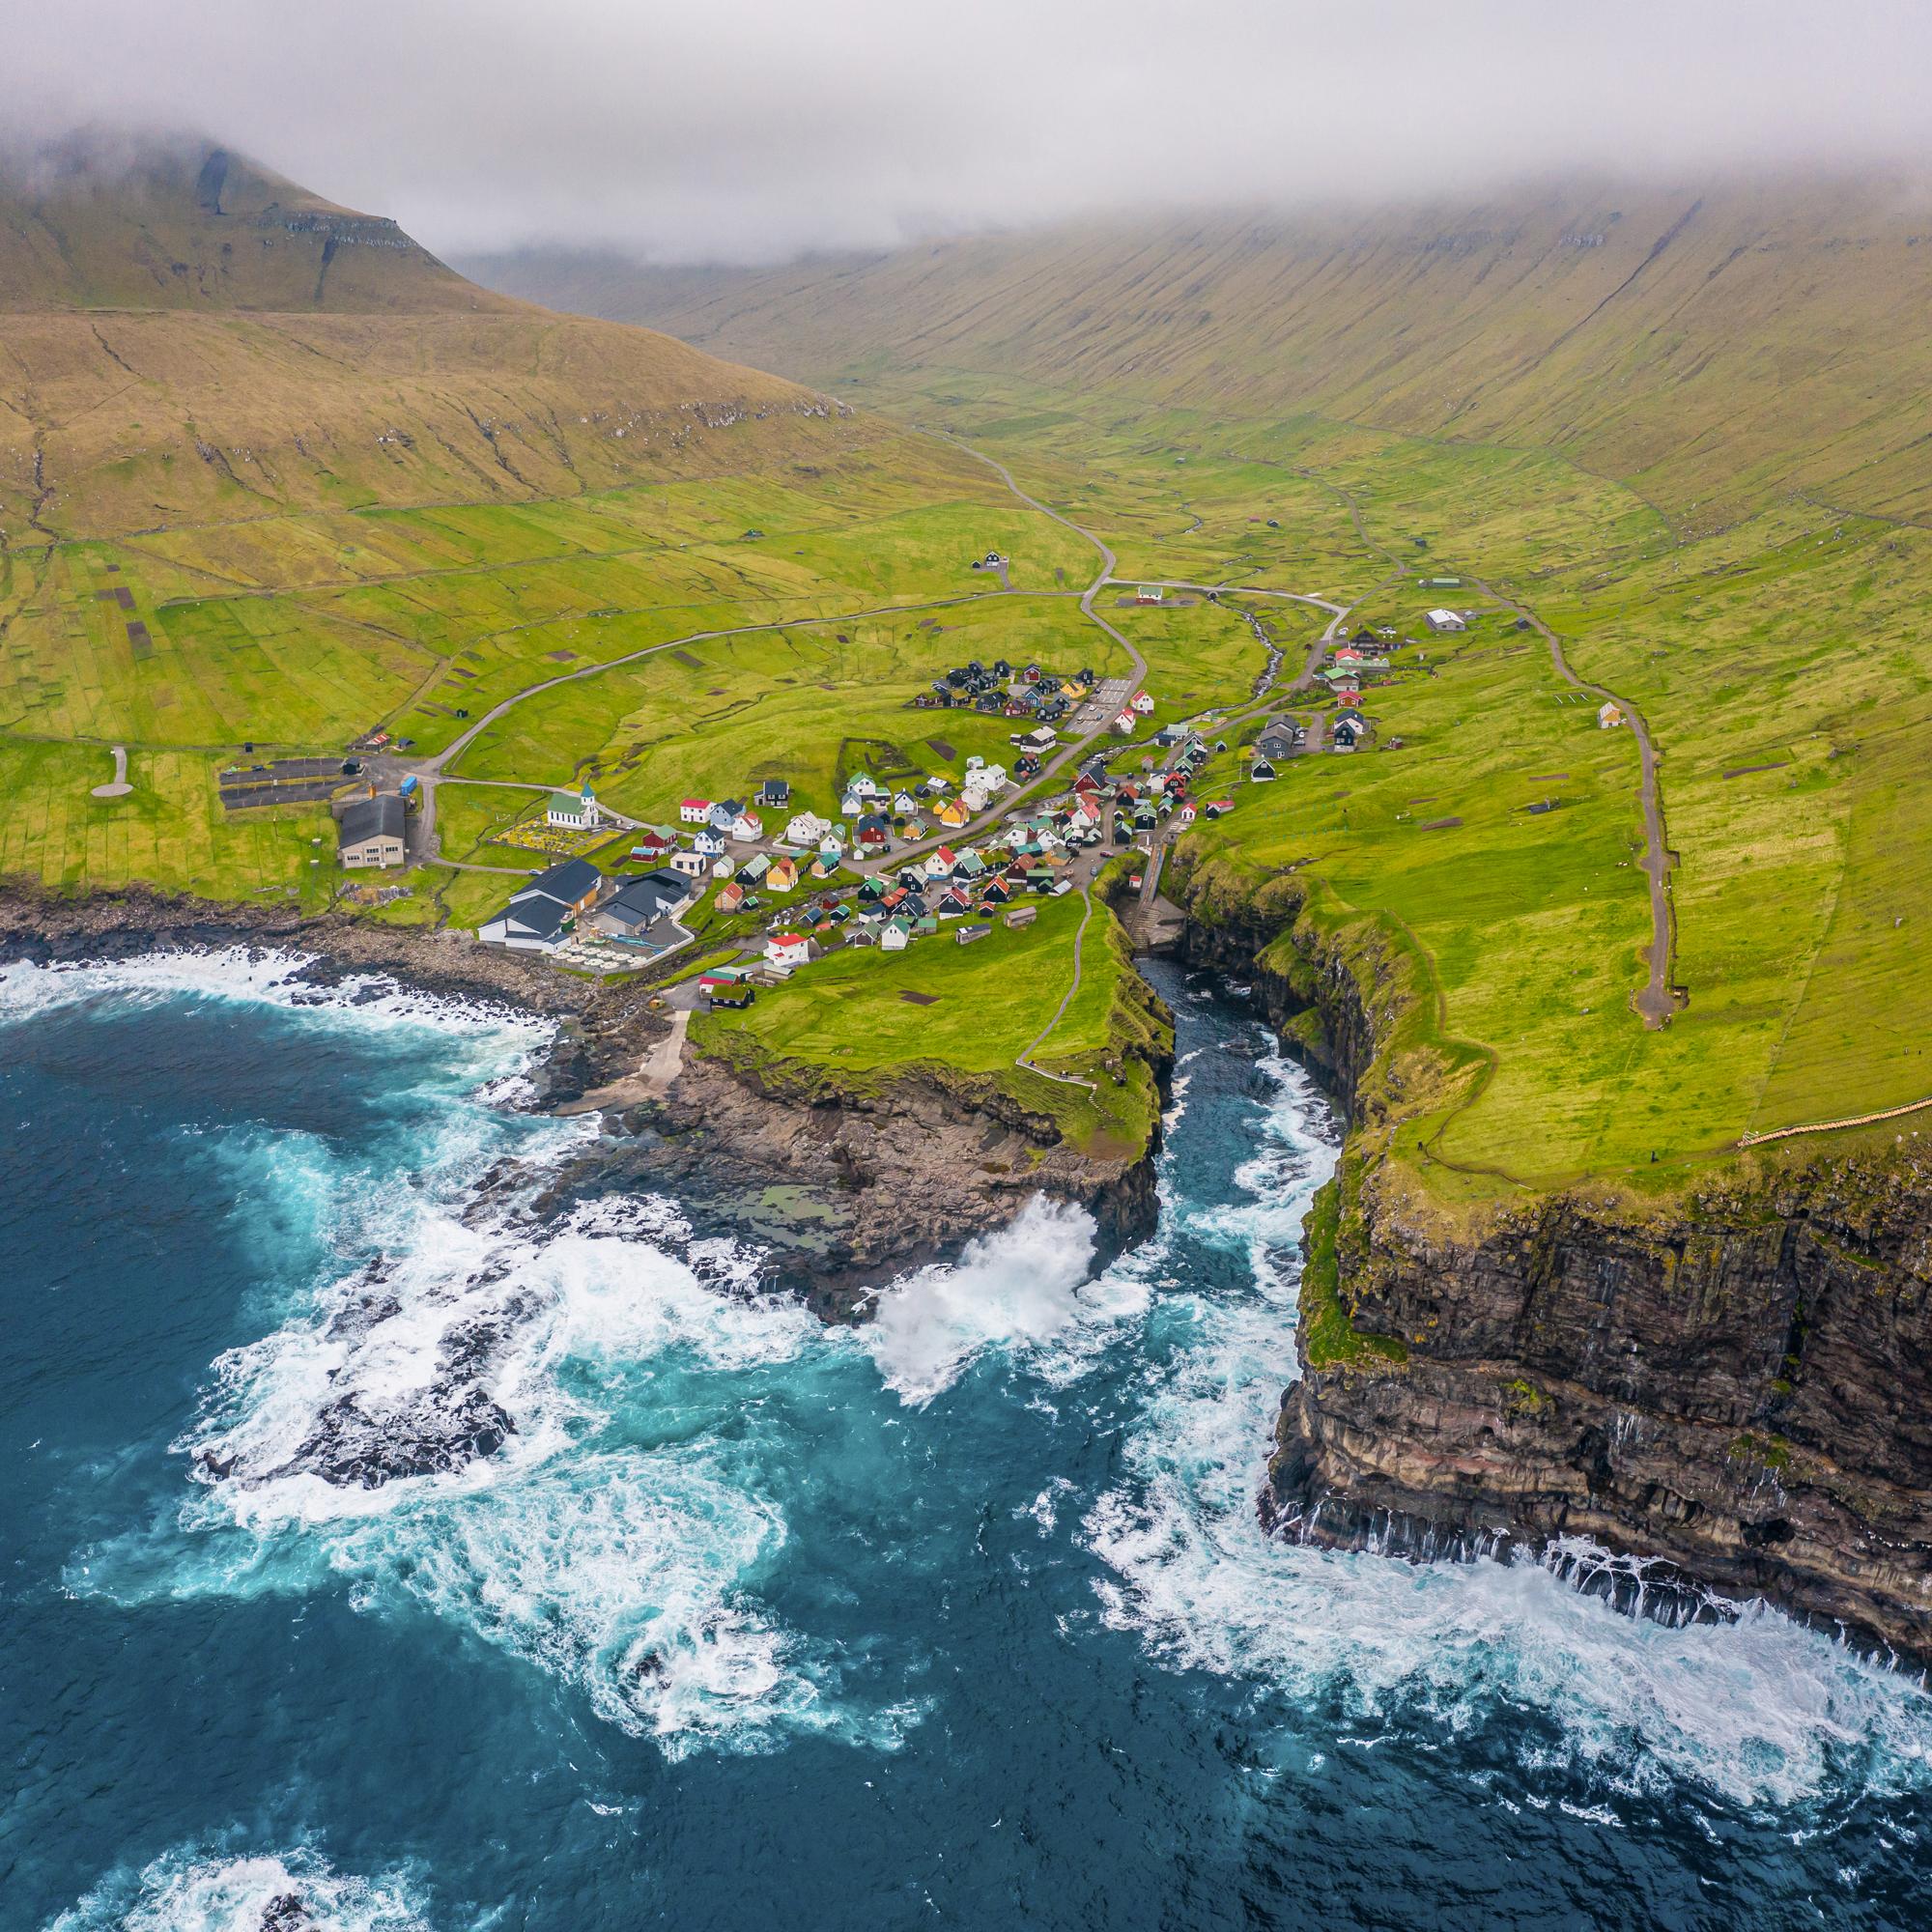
pixel 1688 439
pixel 1709 344
pixel 192 340
pixel 1782 668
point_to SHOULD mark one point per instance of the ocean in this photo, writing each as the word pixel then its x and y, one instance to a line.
pixel 677 1608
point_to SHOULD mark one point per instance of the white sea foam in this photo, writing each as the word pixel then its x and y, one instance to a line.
pixel 268 976
pixel 1016 1287
pixel 623 1568
pixel 201 1890
pixel 1755 1711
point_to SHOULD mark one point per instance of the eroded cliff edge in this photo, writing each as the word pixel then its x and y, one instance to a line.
pixel 843 1191
pixel 1733 1383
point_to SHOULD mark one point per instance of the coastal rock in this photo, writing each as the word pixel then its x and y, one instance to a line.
pixel 1741 1390
pixel 446 1429
pixel 845 1191
pixel 1728 1394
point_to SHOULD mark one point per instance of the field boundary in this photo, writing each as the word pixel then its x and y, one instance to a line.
pixel 1834 1126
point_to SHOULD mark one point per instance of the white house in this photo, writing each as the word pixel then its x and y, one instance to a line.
pixel 690 864
pixel 1445 620
pixel 569 813
pixel 805 828
pixel 1148 593
pixel 1142 703
pixel 904 804
pixel 787 950
pixel 694 810
pixel 724 868
pixel 991 778
pixel 939 863
pixel 1125 723
pixel 747 826
pixel 861 785
pixel 853 805
pixel 894 936
pixel 708 842
pixel 1610 717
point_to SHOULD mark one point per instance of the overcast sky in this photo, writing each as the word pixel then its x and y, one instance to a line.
pixel 755 128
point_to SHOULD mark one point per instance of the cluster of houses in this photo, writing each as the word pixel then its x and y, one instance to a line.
pixel 973 887
pixel 1001 689
pixel 574 896
pixel 707 846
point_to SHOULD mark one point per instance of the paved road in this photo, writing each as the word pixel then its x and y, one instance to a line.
pixel 431 770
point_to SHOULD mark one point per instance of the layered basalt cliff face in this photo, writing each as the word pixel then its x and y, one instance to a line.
pixel 1734 1387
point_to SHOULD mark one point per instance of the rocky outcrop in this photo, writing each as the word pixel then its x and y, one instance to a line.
pixel 843 1190
pixel 1733 1389
pixel 847 1191
pixel 1741 1388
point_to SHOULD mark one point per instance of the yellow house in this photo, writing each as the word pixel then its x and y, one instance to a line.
pixel 782 876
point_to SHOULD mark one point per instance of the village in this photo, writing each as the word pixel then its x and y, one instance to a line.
pixel 791 883
pixel 769 882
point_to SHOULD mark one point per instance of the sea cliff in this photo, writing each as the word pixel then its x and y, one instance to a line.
pixel 1729 1389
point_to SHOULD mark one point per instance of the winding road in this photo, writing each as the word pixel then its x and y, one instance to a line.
pixel 1024 1058
pixel 1657 1002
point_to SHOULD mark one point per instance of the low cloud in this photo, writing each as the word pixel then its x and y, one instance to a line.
pixel 746 130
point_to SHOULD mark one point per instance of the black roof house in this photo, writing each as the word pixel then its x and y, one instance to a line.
pixel 384 816
pixel 568 882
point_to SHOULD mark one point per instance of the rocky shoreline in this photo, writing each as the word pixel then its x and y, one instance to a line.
pixel 1731 1394
pixel 843 1192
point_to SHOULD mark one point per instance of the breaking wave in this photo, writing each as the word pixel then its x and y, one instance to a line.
pixel 1016 1289
pixel 205 1891
pixel 528 1429
pixel 267 975
pixel 1759 1710
pixel 589 1439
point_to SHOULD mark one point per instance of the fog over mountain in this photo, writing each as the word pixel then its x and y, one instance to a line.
pixel 746 130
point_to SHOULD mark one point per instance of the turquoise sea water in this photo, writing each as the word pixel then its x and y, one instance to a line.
pixel 724 1619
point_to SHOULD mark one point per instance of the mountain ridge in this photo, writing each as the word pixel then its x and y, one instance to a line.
pixel 192 337
pixel 1709 345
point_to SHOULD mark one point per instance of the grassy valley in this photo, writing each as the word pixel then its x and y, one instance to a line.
pixel 424 501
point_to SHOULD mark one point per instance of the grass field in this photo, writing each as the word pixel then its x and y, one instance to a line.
pixel 1776 655
pixel 848 1014
pixel 720 717
pixel 171 830
pixel 295 632
pixel 1784 640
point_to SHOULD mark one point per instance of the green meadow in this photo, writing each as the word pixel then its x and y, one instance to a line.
pixel 848 1017
pixel 719 717
pixel 1777 659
